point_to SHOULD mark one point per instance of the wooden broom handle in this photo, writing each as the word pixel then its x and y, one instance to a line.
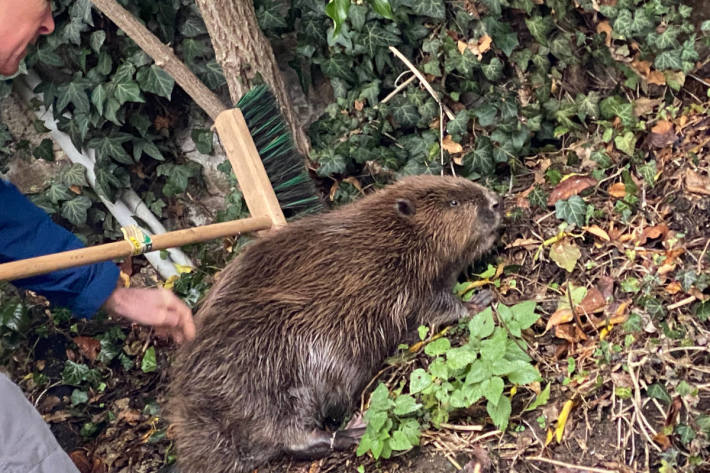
pixel 68 259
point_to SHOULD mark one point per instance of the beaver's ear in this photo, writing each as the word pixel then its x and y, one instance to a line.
pixel 405 208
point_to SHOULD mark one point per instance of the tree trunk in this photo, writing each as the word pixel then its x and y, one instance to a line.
pixel 243 52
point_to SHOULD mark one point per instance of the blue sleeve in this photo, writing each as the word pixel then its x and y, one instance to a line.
pixel 27 231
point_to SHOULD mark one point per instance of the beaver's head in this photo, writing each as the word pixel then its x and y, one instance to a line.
pixel 453 217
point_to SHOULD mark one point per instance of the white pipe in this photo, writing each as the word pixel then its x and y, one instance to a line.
pixel 119 210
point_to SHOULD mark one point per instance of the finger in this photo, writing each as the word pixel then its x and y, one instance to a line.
pixel 188 324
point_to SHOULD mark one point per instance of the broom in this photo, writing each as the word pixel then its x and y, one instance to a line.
pixel 271 173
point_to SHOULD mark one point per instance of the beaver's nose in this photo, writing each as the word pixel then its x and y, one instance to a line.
pixel 496 203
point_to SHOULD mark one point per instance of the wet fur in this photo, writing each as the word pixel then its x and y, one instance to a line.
pixel 302 319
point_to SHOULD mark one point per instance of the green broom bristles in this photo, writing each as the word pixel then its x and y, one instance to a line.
pixel 285 167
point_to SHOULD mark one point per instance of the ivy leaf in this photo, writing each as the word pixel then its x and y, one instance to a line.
pixel 419 380
pixel 404 112
pixel 147 147
pixel 45 150
pixel 493 70
pixel 74 175
pixel 96 40
pixel 623 23
pixel 74 373
pixel 458 127
pixel 338 65
pixel 331 163
pixel 539 27
pixel 98 97
pixel 127 91
pixel 74 93
pixel 658 391
pixel 203 140
pixel 57 193
pixel 371 92
pixel 486 114
pixel 374 36
pixel 111 146
pixel 431 8
pixel 156 81
pixel 270 17
pixel 72 30
pixel 615 106
pixel 500 412
pixel 626 143
pixel 46 55
pixel 588 105
pixel 481 158
pixel 148 363
pixel 75 209
pixel 668 60
pixel 572 210
pixel 78 397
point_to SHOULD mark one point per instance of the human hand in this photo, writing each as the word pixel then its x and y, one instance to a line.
pixel 159 308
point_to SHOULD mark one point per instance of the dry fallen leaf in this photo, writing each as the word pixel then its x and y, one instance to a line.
pixel 651 233
pixel 88 346
pixel 569 187
pixel 656 78
pixel 645 106
pixel 593 302
pixel 562 420
pixel 451 146
pixel 565 254
pixel 673 288
pixel 697 183
pixel 560 316
pixel 598 232
pixel 605 27
pixel 662 134
pixel 617 190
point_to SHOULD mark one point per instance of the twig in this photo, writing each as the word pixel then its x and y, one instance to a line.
pixel 434 95
pixel 398 89
pixel 636 401
pixel 462 428
pixel 569 465
pixel 702 255
pixel 705 83
pixel 681 303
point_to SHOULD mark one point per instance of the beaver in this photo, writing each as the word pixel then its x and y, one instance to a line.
pixel 300 321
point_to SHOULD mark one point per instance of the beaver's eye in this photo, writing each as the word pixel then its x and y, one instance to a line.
pixel 453 203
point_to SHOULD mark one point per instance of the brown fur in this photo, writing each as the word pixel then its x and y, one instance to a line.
pixel 302 319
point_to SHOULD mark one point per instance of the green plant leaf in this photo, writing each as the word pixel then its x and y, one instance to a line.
pixel 74 373
pixel 45 150
pixel 500 412
pixel 541 399
pixel 493 70
pixel 459 357
pixel 74 175
pixel 96 40
pixel 419 380
pixel 668 60
pixel 337 10
pixel 626 143
pixel 405 404
pixel 458 127
pixel 404 112
pixel 572 210
pixel 156 81
pixel 658 391
pixel 493 389
pixel 73 93
pixel 481 325
pixel 539 27
pixel 565 254
pixel 127 91
pixel 78 397
pixel 437 347
pixel 148 363
pixel 431 8
pixel 382 7
pixel 75 209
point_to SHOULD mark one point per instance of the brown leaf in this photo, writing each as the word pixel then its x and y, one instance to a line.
pixel 80 461
pixel 645 106
pixel 75 189
pixel 484 43
pixel 569 187
pixel 598 232
pixel 131 416
pixel 56 417
pixel 656 78
pixel 662 440
pixel 697 183
pixel 673 288
pixel 606 286
pixel 565 254
pixel 605 27
pixel 662 134
pixel 359 104
pixel 617 190
pixel 651 233
pixel 560 316
pixel 451 146
pixel 593 302
pixel 88 346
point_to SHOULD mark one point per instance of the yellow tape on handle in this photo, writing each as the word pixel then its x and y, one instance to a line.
pixel 140 241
